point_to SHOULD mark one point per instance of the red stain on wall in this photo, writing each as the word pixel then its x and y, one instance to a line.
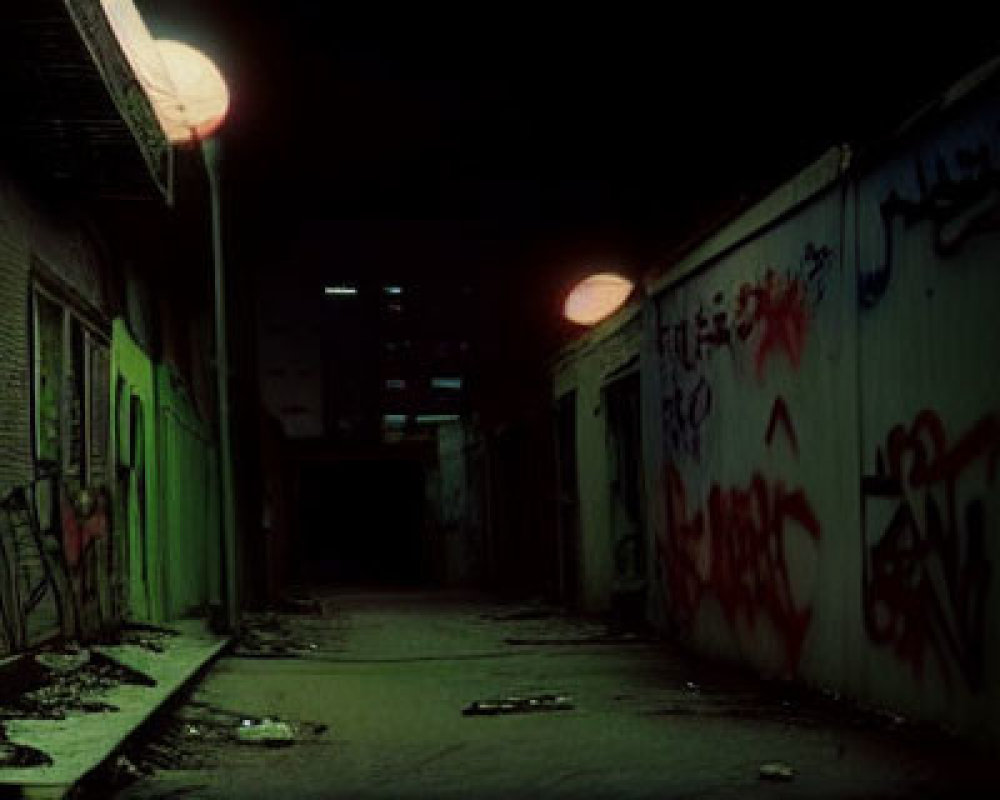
pixel 777 309
pixel 78 534
pixel 736 552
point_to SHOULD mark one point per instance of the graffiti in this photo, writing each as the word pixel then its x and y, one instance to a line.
pixel 780 415
pixel 683 415
pixel 736 552
pixel 961 201
pixel 775 305
pixel 56 555
pixel 770 315
pixel 925 579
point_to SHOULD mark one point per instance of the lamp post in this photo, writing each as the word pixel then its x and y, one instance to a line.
pixel 192 112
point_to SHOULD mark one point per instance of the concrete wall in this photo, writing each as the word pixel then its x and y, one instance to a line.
pixel 928 265
pixel 822 428
pixel 585 368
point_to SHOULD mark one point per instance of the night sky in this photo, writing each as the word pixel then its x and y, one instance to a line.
pixel 523 149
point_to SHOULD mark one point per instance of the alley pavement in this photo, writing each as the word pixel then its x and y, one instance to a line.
pixel 371 690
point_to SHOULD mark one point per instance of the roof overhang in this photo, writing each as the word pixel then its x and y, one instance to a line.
pixel 127 89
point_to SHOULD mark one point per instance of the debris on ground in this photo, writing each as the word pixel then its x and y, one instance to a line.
pixel 519 704
pixel 194 735
pixel 266 731
pixel 776 771
pixel 147 637
pixel 269 636
pixel 56 681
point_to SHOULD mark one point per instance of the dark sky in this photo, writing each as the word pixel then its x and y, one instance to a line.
pixel 537 143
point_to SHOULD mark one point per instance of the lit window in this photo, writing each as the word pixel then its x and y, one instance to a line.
pixel 452 384
pixel 395 383
pixel 393 289
pixel 430 419
pixel 394 420
pixel 341 291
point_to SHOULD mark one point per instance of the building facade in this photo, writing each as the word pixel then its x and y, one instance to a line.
pixel 820 427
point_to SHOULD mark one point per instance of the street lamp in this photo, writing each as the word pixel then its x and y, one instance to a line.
pixel 190 99
pixel 596 298
pixel 193 111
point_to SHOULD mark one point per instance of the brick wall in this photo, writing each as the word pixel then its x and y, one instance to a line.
pixel 15 372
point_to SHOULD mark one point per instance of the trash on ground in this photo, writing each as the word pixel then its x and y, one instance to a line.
pixel 265 731
pixel 776 771
pixel 269 636
pixel 519 704
pixel 53 682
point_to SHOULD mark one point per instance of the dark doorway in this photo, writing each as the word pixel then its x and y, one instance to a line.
pixel 622 398
pixel 362 522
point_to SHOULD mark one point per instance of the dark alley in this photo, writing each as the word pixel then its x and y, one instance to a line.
pixel 410 403
pixel 375 686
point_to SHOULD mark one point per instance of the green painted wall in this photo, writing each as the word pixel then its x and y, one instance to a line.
pixel 134 444
pixel 189 490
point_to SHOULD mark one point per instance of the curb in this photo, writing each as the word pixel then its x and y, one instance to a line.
pixel 81 744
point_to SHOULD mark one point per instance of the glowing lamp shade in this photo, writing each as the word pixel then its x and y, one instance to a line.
pixel 596 298
pixel 196 107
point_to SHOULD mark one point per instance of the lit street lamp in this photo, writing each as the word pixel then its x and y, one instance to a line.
pixel 190 115
pixel 190 99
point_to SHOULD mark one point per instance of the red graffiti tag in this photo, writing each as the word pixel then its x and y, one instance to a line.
pixel 779 414
pixel 76 534
pixel 739 556
pixel 777 307
pixel 926 578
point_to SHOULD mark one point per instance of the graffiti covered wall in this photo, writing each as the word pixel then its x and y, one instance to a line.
pixel 822 421
pixel 753 381
pixel 928 261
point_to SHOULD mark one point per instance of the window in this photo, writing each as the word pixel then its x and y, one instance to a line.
pixel 71 364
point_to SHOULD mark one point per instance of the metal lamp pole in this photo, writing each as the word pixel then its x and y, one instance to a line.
pixel 210 151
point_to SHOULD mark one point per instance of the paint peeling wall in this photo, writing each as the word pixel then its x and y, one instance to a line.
pixel 585 370
pixel 822 436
